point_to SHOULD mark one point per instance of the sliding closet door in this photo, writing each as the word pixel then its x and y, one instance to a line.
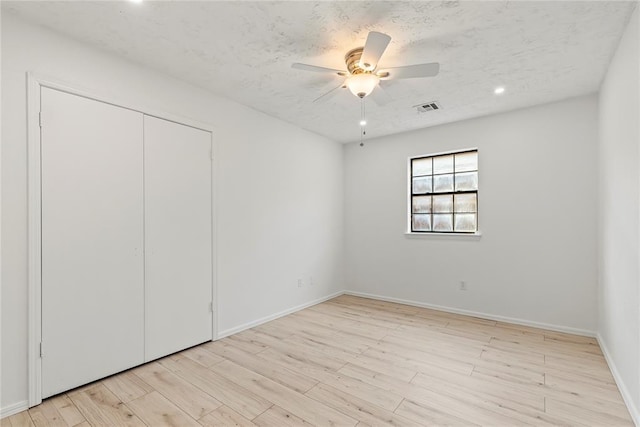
pixel 178 237
pixel 92 240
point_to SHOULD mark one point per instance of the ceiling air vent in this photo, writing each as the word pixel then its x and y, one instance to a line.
pixel 429 106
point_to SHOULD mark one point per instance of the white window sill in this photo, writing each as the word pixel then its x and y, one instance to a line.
pixel 455 236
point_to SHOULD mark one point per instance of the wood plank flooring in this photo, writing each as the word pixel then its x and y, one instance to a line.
pixel 354 361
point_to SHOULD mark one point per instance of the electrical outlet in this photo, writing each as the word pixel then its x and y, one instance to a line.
pixel 463 285
pixel 300 283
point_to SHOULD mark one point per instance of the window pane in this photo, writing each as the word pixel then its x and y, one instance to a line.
pixel 467 161
pixel 465 203
pixel 466 222
pixel 442 183
pixel 421 166
pixel 443 164
pixel 421 185
pixel 442 222
pixel 444 194
pixel 443 203
pixel 421 223
pixel 421 204
pixel 466 181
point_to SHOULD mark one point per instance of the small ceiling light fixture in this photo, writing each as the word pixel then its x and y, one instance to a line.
pixel 363 122
pixel 362 84
pixel 499 90
pixel 135 1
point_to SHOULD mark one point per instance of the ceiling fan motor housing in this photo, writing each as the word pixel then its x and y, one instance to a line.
pixel 352 59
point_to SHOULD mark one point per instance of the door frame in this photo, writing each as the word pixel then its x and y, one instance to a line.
pixel 34 221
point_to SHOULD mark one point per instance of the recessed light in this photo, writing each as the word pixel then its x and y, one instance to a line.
pixel 135 1
pixel 499 90
pixel 363 122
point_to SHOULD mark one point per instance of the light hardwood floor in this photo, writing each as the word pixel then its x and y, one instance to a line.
pixel 354 361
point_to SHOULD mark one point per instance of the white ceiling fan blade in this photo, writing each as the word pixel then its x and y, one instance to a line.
pixel 328 95
pixel 373 49
pixel 410 71
pixel 315 68
pixel 380 96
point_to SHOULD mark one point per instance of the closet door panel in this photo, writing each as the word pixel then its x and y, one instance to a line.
pixel 92 240
pixel 178 237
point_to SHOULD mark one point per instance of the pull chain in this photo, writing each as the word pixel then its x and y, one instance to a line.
pixel 363 122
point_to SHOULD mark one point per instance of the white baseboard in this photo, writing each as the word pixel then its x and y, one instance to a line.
pixel 548 326
pixel 7 411
pixel 624 391
pixel 514 320
pixel 275 316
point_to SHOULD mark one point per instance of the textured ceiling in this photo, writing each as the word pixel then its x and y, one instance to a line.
pixel 242 50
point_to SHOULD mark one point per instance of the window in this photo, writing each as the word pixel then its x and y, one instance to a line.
pixel 444 193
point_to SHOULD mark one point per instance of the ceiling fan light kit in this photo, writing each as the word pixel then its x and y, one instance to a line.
pixel 361 80
pixel 362 84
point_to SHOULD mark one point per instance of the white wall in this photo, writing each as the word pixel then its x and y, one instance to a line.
pixel 536 258
pixel 619 215
pixel 280 189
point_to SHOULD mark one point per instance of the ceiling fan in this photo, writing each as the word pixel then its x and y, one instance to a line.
pixel 363 75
